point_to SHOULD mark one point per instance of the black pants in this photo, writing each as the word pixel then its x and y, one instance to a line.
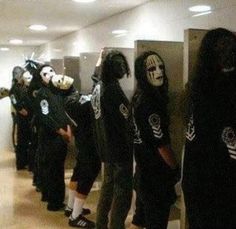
pixel 23 141
pixel 115 197
pixel 53 155
pixel 154 199
pixel 87 167
pixel 205 209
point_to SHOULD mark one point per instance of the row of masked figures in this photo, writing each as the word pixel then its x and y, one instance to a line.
pixel 108 128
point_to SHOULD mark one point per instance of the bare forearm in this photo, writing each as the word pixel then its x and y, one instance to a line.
pixel 168 156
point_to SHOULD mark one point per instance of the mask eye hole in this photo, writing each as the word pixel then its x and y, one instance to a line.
pixel 161 67
pixel 151 69
pixel 51 70
pixel 44 74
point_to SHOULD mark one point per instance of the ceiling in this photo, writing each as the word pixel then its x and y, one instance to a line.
pixel 60 16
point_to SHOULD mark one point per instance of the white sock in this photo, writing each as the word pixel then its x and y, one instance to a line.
pixel 71 198
pixel 78 207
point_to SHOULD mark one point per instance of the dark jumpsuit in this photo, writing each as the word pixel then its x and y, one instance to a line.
pixel 20 100
pixel 88 163
pixel 154 178
pixel 209 180
pixel 113 127
pixel 53 149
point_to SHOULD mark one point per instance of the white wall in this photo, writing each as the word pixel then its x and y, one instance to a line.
pixel 8 60
pixel 155 20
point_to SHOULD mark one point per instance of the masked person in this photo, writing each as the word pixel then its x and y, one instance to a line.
pixel 88 164
pixel 210 149
pixel 20 102
pixel 54 133
pixel 114 142
pixel 156 164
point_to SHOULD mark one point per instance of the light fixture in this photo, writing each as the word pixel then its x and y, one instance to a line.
pixel 38 27
pixel 84 1
pixel 120 35
pixel 201 14
pixel 119 31
pixel 15 41
pixel 199 8
pixel 4 49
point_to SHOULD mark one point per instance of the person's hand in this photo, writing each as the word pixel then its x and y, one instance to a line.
pixel 66 135
pixel 23 112
pixel 101 56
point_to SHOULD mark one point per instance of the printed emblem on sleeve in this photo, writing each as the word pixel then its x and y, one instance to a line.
pixel 13 99
pixel 34 93
pixel 96 101
pixel 229 138
pixel 155 122
pixel 190 133
pixel 124 110
pixel 44 106
pixel 137 138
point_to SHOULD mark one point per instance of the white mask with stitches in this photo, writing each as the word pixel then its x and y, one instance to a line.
pixel 155 70
pixel 47 73
pixel 62 82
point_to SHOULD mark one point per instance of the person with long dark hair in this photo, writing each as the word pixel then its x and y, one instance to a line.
pixel 209 180
pixel 113 129
pixel 156 164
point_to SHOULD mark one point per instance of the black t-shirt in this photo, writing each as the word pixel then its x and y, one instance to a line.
pixel 20 99
pixel 79 109
pixel 50 110
pixel 151 132
pixel 113 125
pixel 210 151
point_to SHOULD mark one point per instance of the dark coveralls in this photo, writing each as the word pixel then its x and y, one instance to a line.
pixel 88 163
pixel 114 141
pixel 53 149
pixel 154 178
pixel 209 180
pixel 20 100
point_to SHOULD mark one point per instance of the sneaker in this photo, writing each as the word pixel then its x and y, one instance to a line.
pixel 81 222
pixel 85 211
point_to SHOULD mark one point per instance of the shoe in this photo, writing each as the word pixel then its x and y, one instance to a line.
pixel 85 211
pixel 81 222
pixel 55 207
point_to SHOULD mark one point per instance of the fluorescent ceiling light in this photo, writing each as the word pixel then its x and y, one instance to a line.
pixel 84 1
pixel 4 49
pixel 203 13
pixel 15 41
pixel 119 31
pixel 38 27
pixel 199 8
pixel 120 35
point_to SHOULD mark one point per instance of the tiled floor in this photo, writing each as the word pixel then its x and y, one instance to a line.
pixel 20 205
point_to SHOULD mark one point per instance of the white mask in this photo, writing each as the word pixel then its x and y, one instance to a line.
pixel 155 71
pixel 62 82
pixel 47 73
pixel 27 77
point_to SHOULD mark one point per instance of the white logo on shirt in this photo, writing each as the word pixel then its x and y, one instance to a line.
pixel 229 138
pixel 155 122
pixel 44 106
pixel 96 101
pixel 190 133
pixel 124 110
